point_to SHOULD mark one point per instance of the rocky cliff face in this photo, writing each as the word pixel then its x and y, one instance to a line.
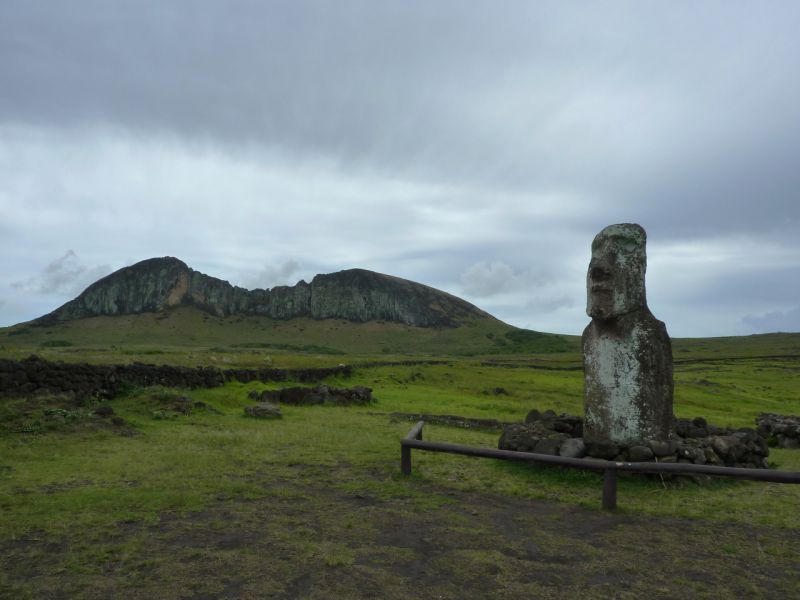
pixel 354 295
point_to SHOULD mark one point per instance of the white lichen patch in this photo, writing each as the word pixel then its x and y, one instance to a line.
pixel 613 370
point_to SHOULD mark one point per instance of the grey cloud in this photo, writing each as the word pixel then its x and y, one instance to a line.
pixel 413 138
pixel 677 124
pixel 484 279
pixel 64 275
pixel 271 275
pixel 787 321
pixel 547 304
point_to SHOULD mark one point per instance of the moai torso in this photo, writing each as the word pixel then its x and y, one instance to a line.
pixel 627 353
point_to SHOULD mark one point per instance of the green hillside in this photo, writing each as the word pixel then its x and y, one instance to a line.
pixel 185 335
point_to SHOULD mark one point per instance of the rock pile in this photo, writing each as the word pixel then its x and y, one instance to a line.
pixel 694 441
pixel 321 394
pixel 782 430
pixel 263 410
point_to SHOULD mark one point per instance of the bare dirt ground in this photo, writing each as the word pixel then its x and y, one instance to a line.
pixel 318 540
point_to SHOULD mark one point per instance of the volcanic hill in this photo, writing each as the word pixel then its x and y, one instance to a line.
pixel 353 295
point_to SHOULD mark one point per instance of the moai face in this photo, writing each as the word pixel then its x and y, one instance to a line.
pixel 615 281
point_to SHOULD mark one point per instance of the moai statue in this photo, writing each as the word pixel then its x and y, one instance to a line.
pixel 627 355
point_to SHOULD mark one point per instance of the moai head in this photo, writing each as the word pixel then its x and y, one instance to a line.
pixel 615 281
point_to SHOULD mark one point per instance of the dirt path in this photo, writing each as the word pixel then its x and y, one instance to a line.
pixel 318 541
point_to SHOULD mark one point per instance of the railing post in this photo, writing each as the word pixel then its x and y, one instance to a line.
pixel 609 489
pixel 405 460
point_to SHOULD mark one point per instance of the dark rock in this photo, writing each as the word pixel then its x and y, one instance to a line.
pixel 696 432
pixel 156 284
pixel 322 394
pixel 263 410
pixel 519 437
pixel 640 454
pixel 104 411
pixel 663 448
pixel 533 415
pixel 548 446
pixel 602 449
pixel 573 448
pixel 783 430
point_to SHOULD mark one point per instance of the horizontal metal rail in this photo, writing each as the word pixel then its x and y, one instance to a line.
pixel 610 468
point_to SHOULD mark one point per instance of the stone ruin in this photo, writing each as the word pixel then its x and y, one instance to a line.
pixel 691 441
pixel 781 430
pixel 269 401
pixel 628 385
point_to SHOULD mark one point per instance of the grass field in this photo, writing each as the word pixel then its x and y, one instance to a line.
pixel 216 505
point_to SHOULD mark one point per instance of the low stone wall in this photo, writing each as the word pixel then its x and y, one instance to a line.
pixel 783 430
pixel 36 375
pixel 694 441
pixel 321 394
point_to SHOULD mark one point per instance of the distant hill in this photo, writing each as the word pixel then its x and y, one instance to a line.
pixel 355 295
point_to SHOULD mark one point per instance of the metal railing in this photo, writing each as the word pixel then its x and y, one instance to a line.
pixel 413 440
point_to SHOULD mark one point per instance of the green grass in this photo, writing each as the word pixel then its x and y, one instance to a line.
pixel 187 336
pixel 147 501
pixel 174 464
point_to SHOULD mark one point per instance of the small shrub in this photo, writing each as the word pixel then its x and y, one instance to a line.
pixel 56 344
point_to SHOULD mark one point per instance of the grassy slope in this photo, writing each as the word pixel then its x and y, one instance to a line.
pixel 188 499
pixel 186 335
pixel 84 508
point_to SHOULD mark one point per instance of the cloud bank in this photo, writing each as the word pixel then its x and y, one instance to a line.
pixel 473 149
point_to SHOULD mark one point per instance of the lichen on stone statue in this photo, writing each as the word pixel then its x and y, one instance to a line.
pixel 627 355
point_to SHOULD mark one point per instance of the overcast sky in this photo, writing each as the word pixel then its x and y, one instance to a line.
pixel 476 147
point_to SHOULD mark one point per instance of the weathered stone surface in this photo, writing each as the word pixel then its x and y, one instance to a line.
pixel 573 448
pixel 548 446
pixel 782 430
pixel 640 454
pixel 355 295
pixel 733 448
pixel 519 437
pixel 563 423
pixel 321 394
pixel 628 385
pixel 602 449
pixel 663 447
pixel 263 410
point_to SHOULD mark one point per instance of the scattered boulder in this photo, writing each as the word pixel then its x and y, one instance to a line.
pixel 780 430
pixel 661 448
pixel 104 411
pixel 321 394
pixel 603 449
pixel 573 448
pixel 263 410
pixel 640 454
